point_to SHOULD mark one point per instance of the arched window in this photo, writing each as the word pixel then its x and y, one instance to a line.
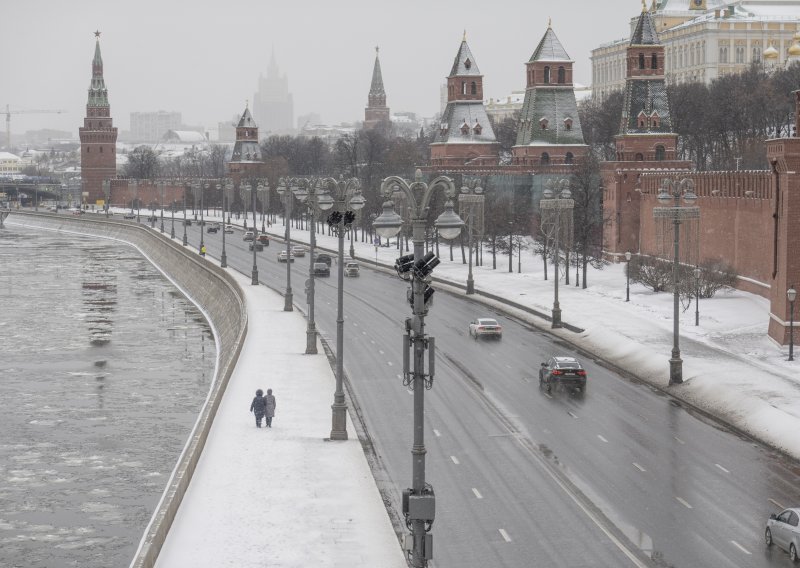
pixel 562 75
pixel 568 158
pixel 544 160
pixel 641 61
pixel 661 154
pixel 473 88
pixel 639 157
pixel 547 74
pixel 654 61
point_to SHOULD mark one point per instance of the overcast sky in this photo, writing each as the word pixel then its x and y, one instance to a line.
pixel 203 58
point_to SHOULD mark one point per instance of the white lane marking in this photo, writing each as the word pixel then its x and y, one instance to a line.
pixel 477 493
pixel 683 502
pixel 546 431
pixel 572 414
pixel 637 466
pixel 602 439
pixel 354 323
pixel 400 377
pixel 363 333
pixel 504 534
pixel 436 432
pixel 774 502
pixel 508 366
pixel 411 392
pixel 380 351
pixel 679 440
pixel 372 341
pixel 740 547
pixel 548 395
pixel 455 460
pixel 389 363
pixel 722 468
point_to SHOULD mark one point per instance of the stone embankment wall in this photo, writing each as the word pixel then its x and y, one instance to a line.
pixel 218 296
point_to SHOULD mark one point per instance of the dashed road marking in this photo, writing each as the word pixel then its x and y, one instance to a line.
pixel 722 468
pixel 389 363
pixel 363 333
pixel 602 439
pixel 372 341
pixel 679 440
pixel 548 395
pixel 400 377
pixel 637 466
pixel 477 493
pixel 508 366
pixel 740 547
pixel 774 502
pixel 504 534
pixel 572 414
pixel 436 432
pixel 380 351
pixel 455 460
pixel 683 502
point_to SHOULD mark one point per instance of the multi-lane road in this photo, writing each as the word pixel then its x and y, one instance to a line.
pixel 622 476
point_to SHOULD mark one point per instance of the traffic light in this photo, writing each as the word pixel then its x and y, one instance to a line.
pixel 425 265
pixel 403 264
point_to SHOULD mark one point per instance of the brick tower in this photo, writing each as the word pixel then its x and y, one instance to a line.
pixel 98 134
pixel 645 141
pixel 465 135
pixel 376 112
pixel 246 160
pixel 549 131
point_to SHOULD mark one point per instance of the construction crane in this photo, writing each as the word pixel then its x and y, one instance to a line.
pixel 8 120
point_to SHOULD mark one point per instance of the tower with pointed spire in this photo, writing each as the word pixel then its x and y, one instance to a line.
pixel 465 135
pixel 98 134
pixel 246 159
pixel 549 127
pixel 376 112
pixel 645 140
pixel 273 104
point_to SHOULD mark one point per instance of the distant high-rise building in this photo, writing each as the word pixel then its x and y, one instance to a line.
pixel 273 105
pixel 98 134
pixel 376 112
pixel 151 126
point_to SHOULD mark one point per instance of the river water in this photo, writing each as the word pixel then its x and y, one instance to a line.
pixel 103 368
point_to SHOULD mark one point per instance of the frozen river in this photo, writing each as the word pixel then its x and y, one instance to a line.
pixel 103 368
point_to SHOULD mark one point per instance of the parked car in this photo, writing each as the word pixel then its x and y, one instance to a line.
pixel 298 250
pixel 782 530
pixel 228 230
pixel 248 236
pixel 283 255
pixel 212 228
pixel 485 328
pixel 257 244
pixel 187 222
pixel 566 372
pixel 351 268
pixel 321 269
pixel 263 239
pixel 323 257
pixel 129 216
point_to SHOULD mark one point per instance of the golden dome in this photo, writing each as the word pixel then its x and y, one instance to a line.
pixel 795 49
pixel 770 53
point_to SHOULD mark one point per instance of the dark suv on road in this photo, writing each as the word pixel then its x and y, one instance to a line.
pixel 566 372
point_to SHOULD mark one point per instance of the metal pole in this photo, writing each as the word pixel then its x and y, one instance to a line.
pixel 311 329
pixel 254 280
pixel 202 220
pixel 470 281
pixel 628 281
pixel 185 240
pixel 339 420
pixel 172 230
pixel 791 330
pixel 287 305
pixel 675 363
pixel 352 249
pixel 263 226
pixel 697 300
pixel 162 187
pixel 556 307
pixel 223 262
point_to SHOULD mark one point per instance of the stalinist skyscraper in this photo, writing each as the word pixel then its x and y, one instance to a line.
pixel 273 106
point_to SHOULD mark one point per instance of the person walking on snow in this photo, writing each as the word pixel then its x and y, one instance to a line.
pixel 258 407
pixel 270 407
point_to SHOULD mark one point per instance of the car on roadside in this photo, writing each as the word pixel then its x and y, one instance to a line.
pixel 248 236
pixel 351 268
pixel 263 239
pixel 485 328
pixel 298 250
pixel 323 257
pixel 187 222
pixel 321 269
pixel 228 230
pixel 129 216
pixel 283 255
pixel 212 228
pixel 783 531
pixel 257 245
pixel 562 372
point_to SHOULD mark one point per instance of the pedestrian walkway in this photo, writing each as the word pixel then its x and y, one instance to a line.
pixel 281 497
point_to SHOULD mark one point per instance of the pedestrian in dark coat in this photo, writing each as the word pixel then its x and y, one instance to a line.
pixel 270 407
pixel 259 407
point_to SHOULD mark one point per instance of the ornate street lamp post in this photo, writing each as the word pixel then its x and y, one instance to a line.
pixel 556 213
pixel 106 193
pixel 162 185
pixel 697 273
pixel 628 276
pixel 247 187
pixel 227 193
pixel 185 186
pixel 419 501
pixel 347 199
pixel 286 190
pixel 172 207
pixel 672 211
pixel 263 194
pixel 791 294
pixel 471 198
pixel 203 188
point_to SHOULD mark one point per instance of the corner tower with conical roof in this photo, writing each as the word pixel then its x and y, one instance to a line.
pixel 246 159
pixel 465 136
pixel 98 134
pixel 376 112
pixel 645 141
pixel 549 128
